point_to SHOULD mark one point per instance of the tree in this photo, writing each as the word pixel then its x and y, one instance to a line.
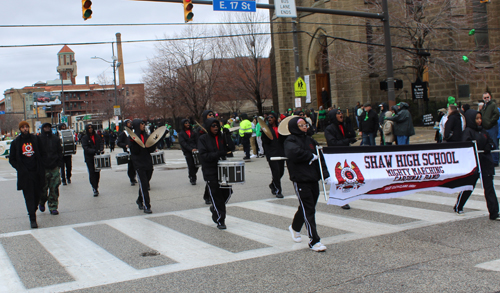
pixel 247 72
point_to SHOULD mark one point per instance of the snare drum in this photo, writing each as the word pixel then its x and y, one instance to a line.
pixel 122 158
pixel 196 158
pixel 230 172
pixel 68 142
pixel 102 162
pixel 157 158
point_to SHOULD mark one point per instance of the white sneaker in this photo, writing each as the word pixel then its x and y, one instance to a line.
pixel 318 247
pixel 295 235
pixel 253 156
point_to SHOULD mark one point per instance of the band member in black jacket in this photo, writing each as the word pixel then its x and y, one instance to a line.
pixel 475 131
pixel 207 114
pixel 212 147
pixel 25 157
pixel 304 170
pixel 141 157
pixel 92 145
pixel 67 158
pixel 274 148
pixel 122 142
pixel 188 139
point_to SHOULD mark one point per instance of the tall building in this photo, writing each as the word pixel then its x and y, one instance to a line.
pixel 66 65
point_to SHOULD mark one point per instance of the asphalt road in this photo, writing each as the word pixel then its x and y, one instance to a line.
pixel 105 244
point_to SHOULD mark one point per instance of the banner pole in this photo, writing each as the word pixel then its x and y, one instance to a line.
pixel 318 148
pixel 478 163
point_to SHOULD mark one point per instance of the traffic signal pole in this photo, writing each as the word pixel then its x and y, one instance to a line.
pixel 384 17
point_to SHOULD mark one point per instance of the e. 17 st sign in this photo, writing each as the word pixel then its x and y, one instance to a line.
pixel 234 5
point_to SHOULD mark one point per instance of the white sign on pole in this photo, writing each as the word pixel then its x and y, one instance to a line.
pixel 116 109
pixel 285 8
pixel 308 89
pixel 298 103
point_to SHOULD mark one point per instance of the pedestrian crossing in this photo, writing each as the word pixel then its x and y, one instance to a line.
pixel 104 252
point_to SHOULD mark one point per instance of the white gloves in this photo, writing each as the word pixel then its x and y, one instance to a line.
pixel 328 180
pixel 315 157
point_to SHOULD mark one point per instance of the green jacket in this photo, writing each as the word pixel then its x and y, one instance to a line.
pixel 322 114
pixel 490 115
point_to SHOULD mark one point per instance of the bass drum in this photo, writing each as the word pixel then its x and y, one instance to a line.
pixel 68 142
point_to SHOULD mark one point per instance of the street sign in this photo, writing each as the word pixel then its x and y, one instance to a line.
pixel 285 8
pixel 234 5
pixel 2 112
pixel 300 88
pixel 116 110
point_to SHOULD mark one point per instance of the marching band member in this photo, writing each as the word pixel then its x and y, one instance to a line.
pixel 275 148
pixel 67 158
pixel 143 164
pixel 188 139
pixel 304 170
pixel 92 145
pixel 339 133
pixel 122 142
pixel 205 115
pixel 212 147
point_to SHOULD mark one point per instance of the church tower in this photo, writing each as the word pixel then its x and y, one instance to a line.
pixel 67 64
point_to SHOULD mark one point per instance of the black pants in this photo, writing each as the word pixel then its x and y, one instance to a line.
pixel 308 194
pixel 277 171
pixel 192 169
pixel 143 177
pixel 31 194
pixel 67 164
pixel 220 197
pixel 489 194
pixel 94 176
pixel 246 145
pixel 131 171
pixel 111 146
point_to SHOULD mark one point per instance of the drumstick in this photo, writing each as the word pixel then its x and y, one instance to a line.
pixel 202 128
pixel 278 158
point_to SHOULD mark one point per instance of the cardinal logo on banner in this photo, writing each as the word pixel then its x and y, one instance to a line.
pixel 349 177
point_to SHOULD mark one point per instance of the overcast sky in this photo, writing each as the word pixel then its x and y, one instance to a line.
pixel 25 66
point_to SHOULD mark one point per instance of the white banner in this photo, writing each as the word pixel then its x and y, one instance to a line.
pixel 308 89
pixel 392 171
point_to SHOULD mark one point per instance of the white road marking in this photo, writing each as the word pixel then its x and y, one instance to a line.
pixel 493 265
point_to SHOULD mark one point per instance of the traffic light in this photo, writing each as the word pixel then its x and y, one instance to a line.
pixel 188 10
pixel 86 11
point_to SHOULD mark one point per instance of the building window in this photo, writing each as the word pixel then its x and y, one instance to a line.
pixel 126 93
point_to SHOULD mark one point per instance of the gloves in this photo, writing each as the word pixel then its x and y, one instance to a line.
pixel 225 130
pixel 328 180
pixel 315 157
pixel 221 154
pixel 352 140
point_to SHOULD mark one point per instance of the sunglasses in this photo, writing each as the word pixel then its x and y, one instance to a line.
pixel 303 125
pixel 214 125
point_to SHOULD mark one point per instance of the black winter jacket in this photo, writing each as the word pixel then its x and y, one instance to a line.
pixel 403 124
pixel 483 141
pixel 299 149
pixel 122 141
pixel 188 143
pixel 453 128
pixel 210 154
pixel 50 148
pixel 333 134
pixel 141 157
pixel 21 161
pixel 368 124
pixel 90 149
pixel 275 147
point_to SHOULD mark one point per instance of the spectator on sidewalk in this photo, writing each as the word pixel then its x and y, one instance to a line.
pixel 453 126
pixel 388 129
pixel 368 124
pixel 403 124
pixel 490 115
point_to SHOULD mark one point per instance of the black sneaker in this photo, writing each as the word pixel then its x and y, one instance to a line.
pixel 193 182
pixel 221 227
pixel 139 204
pixel 69 181
pixel 33 224
pixel 41 208
pixel 132 183
pixel 346 207
pixel 54 212
pixel 64 183
pixel 214 216
pixel 279 195
pixel 208 201
pixel 148 211
pixel 96 192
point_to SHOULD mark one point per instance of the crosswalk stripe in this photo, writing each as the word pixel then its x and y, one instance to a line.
pixel 332 221
pixel 444 200
pixel 170 243
pixel 9 280
pixel 493 265
pixel 82 258
pixel 258 232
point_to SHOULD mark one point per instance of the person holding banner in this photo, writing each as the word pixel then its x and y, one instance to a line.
pixel 305 172
pixel 339 133
pixel 475 132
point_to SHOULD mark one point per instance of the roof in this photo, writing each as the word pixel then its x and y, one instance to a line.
pixel 66 49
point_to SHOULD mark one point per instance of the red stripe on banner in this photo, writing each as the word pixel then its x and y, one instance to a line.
pixel 398 187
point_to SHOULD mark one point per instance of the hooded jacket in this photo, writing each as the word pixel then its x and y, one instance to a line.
pixel 50 148
pixel 403 125
pixel 490 115
pixel 122 140
pixel 483 141
pixel 212 148
pixel 91 147
pixel 25 157
pixel 334 136
pixel 388 128
pixel 299 149
pixel 368 122
pixel 274 147
pixel 381 115
pixel 204 118
pixel 187 142
pixel 141 157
